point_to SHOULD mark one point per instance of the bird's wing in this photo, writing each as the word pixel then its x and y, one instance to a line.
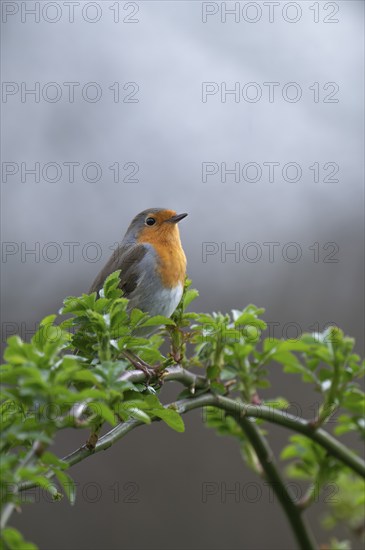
pixel 127 259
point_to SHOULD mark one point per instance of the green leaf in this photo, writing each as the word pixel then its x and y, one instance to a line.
pixel 136 316
pixel 85 376
pixel 75 305
pixel 150 355
pixel 111 288
pixel 171 417
pixel 105 412
pixel 138 414
pixel 53 460
pixel 41 481
pixel 278 403
pixel 189 296
pixel 67 484
pixel 16 351
pixel 157 320
pixel 213 371
pixel 14 540
pixel 354 401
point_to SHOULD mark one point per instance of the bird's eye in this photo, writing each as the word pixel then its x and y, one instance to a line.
pixel 150 221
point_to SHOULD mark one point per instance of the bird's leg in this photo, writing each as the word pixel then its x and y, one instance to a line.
pixel 138 363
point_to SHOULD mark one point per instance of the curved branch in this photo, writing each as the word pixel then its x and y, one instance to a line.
pixel 237 408
pixel 282 418
pixel 300 529
pixel 276 416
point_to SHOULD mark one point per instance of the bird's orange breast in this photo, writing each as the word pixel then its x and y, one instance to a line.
pixel 171 257
pixel 172 265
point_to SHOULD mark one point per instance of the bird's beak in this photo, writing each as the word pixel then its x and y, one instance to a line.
pixel 177 218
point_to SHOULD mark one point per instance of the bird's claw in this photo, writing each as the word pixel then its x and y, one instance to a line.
pixel 151 372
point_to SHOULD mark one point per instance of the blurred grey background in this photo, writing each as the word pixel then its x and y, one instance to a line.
pixel 163 131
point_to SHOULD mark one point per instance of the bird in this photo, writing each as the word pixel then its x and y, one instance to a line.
pixel 151 261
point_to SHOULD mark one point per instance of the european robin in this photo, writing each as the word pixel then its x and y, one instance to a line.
pixel 152 263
